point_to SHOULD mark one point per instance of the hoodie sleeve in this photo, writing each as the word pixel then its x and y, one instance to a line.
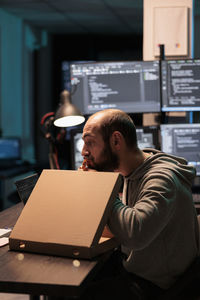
pixel 136 227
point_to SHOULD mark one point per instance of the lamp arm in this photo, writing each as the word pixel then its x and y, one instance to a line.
pixel 53 157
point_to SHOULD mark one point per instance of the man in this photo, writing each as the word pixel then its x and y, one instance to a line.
pixel 155 222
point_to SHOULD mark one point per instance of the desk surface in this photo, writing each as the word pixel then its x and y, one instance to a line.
pixel 41 274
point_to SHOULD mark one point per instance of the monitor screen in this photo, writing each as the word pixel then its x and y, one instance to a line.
pixel 76 148
pixel 147 138
pixel 181 85
pixel 182 140
pixel 130 86
pixel 65 73
pixel 10 149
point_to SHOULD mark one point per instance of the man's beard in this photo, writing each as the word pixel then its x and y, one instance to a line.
pixel 109 163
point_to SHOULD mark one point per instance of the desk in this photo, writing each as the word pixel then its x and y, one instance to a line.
pixel 36 274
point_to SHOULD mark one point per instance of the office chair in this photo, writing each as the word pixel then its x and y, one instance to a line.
pixel 187 286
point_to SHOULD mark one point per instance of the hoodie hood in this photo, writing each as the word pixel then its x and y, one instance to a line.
pixel 162 162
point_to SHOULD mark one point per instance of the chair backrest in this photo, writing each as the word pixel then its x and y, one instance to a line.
pixel 186 279
pixel 198 219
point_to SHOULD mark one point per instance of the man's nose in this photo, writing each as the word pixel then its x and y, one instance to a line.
pixel 84 151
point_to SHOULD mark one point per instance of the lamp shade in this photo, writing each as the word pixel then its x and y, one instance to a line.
pixel 67 114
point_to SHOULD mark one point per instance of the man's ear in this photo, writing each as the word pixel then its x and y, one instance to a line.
pixel 116 139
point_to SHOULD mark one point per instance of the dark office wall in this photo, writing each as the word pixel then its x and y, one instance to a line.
pixel 43 99
pixel 91 47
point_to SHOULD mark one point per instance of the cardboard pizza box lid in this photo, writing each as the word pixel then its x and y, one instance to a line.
pixel 66 214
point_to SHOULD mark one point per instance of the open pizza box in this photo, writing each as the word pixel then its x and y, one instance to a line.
pixel 66 214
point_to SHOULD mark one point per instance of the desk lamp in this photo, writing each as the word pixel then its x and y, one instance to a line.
pixel 54 125
pixel 67 114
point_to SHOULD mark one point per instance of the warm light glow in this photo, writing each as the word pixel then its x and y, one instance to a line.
pixel 67 114
pixel 69 121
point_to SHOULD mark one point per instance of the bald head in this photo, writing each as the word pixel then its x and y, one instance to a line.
pixel 109 120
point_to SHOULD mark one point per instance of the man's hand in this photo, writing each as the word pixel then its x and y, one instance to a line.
pixel 107 233
pixel 84 166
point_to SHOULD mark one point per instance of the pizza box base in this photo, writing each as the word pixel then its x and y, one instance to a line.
pixel 66 213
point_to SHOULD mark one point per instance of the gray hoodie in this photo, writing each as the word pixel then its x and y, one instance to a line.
pixel 156 221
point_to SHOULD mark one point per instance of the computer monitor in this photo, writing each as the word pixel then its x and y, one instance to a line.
pixel 76 148
pixel 65 73
pixel 147 138
pixel 180 85
pixel 133 86
pixel 182 140
pixel 10 148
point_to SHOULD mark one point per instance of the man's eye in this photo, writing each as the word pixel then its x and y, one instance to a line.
pixel 88 143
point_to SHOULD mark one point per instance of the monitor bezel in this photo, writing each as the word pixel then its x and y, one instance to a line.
pixel 129 111
pixel 178 108
pixel 178 125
